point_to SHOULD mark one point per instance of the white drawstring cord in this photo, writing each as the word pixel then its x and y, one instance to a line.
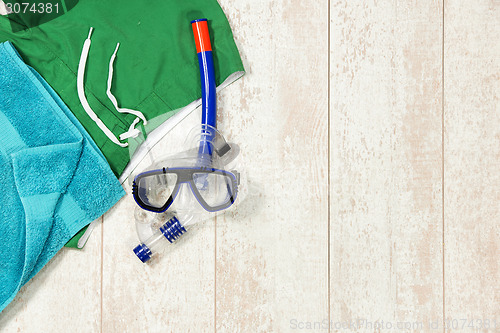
pixel 112 97
pixel 132 132
pixel 83 98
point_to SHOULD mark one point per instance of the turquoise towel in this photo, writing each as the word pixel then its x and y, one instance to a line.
pixel 53 178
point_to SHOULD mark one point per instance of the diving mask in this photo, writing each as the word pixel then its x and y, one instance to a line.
pixel 211 178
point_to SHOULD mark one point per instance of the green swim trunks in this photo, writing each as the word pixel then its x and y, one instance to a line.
pixel 155 71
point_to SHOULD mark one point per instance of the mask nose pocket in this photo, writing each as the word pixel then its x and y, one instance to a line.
pixel 184 198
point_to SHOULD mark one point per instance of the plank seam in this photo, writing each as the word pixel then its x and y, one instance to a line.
pixel 215 274
pixel 442 162
pixel 329 166
pixel 102 270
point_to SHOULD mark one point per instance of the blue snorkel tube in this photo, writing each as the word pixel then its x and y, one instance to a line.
pixel 208 88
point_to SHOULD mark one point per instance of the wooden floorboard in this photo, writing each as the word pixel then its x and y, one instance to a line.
pixel 386 263
pixel 472 165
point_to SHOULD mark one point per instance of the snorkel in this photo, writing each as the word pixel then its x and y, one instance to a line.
pixel 208 86
pixel 205 171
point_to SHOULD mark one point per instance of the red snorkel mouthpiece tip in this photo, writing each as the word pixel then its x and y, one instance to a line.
pixel 201 35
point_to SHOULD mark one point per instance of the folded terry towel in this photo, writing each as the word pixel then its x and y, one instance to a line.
pixel 54 179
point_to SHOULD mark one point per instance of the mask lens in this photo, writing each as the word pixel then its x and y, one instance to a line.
pixel 155 190
pixel 216 189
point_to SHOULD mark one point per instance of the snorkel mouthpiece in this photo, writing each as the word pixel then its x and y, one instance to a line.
pixel 143 252
pixel 171 230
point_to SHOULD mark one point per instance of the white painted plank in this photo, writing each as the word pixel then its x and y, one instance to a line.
pixel 472 165
pixel 175 291
pixel 386 162
pixel 272 249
